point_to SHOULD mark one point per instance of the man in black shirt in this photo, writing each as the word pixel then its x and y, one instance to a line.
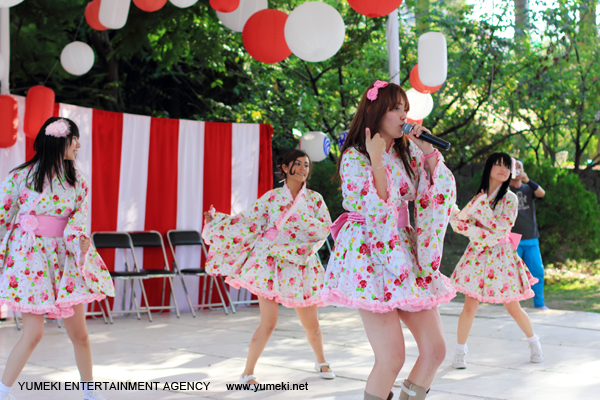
pixel 527 192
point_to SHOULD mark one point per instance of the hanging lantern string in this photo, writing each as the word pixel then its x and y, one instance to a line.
pixel 56 63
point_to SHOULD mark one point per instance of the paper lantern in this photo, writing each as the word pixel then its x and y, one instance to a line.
pixel 342 139
pixel 113 13
pixel 225 6
pixel 9 120
pixel 316 144
pixel 418 121
pixel 77 58
pixel 39 106
pixel 264 38
pixel 433 59
pixel 374 8
pixel 237 19
pixel 421 104
pixel 9 3
pixel 418 85
pixel 2 66
pixel 315 31
pixel 91 16
pixel 150 5
pixel 183 3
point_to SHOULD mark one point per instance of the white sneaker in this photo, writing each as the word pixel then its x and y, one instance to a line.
pixel 536 351
pixel 245 379
pixel 459 360
pixel 324 375
pixel 93 395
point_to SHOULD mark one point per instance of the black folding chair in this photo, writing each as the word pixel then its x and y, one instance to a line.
pixel 122 240
pixel 154 239
pixel 193 238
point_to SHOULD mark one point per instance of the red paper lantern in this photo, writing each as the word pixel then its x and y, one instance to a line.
pixel 9 120
pixel 91 15
pixel 39 106
pixel 264 36
pixel 374 8
pixel 150 5
pixel 418 85
pixel 225 6
pixel 418 121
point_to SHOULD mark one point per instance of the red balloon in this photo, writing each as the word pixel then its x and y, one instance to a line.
pixel 39 106
pixel 91 15
pixel 418 121
pixel 150 5
pixel 9 120
pixel 374 8
pixel 264 36
pixel 418 85
pixel 225 6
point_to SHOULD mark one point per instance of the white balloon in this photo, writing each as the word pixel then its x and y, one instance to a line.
pixel 433 59
pixel 113 13
pixel 421 104
pixel 183 3
pixel 315 31
pixel 77 58
pixel 9 3
pixel 316 144
pixel 2 66
pixel 237 19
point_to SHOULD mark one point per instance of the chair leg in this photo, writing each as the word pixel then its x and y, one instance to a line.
pixel 103 313
pixel 134 299
pixel 214 279
pixel 173 296
pixel 17 321
pixel 162 300
pixel 146 300
pixel 204 292
pixel 228 294
pixel 107 306
pixel 187 295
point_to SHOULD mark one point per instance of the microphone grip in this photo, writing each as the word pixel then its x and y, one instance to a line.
pixel 434 140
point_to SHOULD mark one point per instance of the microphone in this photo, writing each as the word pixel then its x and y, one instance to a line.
pixel 429 138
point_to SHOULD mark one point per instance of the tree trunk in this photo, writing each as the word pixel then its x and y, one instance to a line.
pixel 521 18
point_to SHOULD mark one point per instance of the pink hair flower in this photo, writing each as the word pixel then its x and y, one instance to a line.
pixel 374 91
pixel 59 128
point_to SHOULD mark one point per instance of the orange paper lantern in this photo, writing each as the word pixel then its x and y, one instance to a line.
pixel 264 36
pixel 39 106
pixel 91 16
pixel 374 8
pixel 418 85
pixel 225 6
pixel 150 5
pixel 9 120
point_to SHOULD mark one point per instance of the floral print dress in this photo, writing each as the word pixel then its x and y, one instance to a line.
pixel 271 249
pixel 490 270
pixel 382 263
pixel 47 275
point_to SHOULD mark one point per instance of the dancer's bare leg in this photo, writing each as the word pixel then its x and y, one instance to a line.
pixel 33 331
pixel 269 312
pixel 309 317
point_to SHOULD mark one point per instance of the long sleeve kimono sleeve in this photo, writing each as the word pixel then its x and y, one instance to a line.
pixel 360 195
pixel 231 239
pixel 90 264
pixel 484 226
pixel 10 192
pixel 436 195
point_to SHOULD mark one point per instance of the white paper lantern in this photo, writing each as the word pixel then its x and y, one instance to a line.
pixel 77 58
pixel 9 3
pixel 2 66
pixel 421 104
pixel 237 19
pixel 183 3
pixel 316 144
pixel 315 31
pixel 113 13
pixel 433 59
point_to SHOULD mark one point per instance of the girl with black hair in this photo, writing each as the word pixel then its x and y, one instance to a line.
pixel 47 261
pixel 490 270
pixel 271 250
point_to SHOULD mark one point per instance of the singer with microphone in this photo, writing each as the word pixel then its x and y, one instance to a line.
pixel 381 265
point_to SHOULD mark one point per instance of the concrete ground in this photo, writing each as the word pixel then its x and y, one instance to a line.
pixel 212 348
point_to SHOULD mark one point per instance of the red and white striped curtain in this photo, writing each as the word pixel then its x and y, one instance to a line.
pixel 149 173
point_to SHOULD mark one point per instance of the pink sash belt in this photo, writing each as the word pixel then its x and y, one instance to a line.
pixel 403 219
pixel 511 238
pixel 43 225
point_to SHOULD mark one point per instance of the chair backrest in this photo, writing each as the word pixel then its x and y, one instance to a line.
pixel 112 240
pixel 149 239
pixel 184 238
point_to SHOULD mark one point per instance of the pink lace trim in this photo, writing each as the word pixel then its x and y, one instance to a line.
pixel 496 300
pixel 56 310
pixel 275 296
pixel 336 297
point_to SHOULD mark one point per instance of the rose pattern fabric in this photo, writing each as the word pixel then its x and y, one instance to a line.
pixel 489 271
pixel 48 275
pixel 378 265
pixel 281 265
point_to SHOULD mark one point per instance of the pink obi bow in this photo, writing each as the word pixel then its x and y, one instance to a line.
pixel 403 219
pixel 43 225
pixel 513 238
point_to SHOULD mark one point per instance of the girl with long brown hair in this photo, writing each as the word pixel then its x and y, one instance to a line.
pixel 381 265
